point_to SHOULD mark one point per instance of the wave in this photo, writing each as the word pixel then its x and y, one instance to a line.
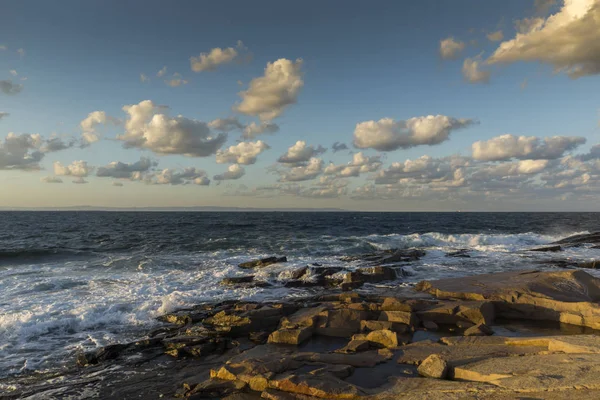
pixel 20 255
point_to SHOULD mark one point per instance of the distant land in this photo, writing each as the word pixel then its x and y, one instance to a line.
pixel 173 209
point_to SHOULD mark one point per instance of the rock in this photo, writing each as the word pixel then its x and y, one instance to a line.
pixel 404 317
pixel 323 386
pixel 303 317
pixel 260 337
pixel 594 264
pixel 272 394
pixel 587 238
pixel 430 325
pixel 298 273
pixel 464 324
pixel 264 262
pixel 462 253
pixel 452 313
pixel 212 388
pixel 377 274
pixel 479 330
pixel 360 360
pixel 339 371
pixel 387 256
pixel 291 336
pixel 563 296
pixel 384 338
pixel 354 346
pixel 547 249
pixel 236 280
pixel 341 322
pixel 433 366
pixel 398 327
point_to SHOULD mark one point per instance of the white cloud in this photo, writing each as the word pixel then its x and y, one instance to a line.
pixel 89 124
pixel 523 167
pixel 252 130
pixel 176 80
pixel 148 128
pixel 79 169
pixel 495 36
pixel 21 151
pixel 387 134
pixel 4 114
pixel 226 124
pixel 269 95
pixel 51 179
pixel 506 147
pixel 10 88
pixel 234 171
pixel 186 176
pixel 55 144
pixel 242 153
pixel 120 170
pixel 13 72
pixel 472 71
pixel 569 40
pixel 311 170
pixel 359 164
pixel 162 72
pixel 216 57
pixel 300 152
pixel 144 78
pixel 450 48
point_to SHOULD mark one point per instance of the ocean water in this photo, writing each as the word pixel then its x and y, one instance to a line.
pixel 73 281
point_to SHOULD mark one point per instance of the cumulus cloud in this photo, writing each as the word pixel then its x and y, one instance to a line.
pixel 388 134
pixel 51 179
pixel 162 72
pixel 21 151
pixel 311 170
pixel 450 48
pixel 121 170
pixel 186 176
pixel 226 124
pixel 144 78
pixel 495 36
pixel 338 146
pixel 79 169
pixel 242 153
pixel 569 40
pixel 359 164
pixel 300 152
pixel 234 171
pixel 543 6
pixel 216 57
pixel 4 114
pixel 55 144
pixel 253 129
pixel 89 124
pixel 176 80
pixel 269 95
pixel 147 127
pixel 506 147
pixel 594 154
pixel 472 71
pixel 10 88
pixel 523 167
pixel 13 72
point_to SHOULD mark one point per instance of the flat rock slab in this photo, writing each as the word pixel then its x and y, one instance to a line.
pixel 573 344
pixel 542 372
pixel 565 296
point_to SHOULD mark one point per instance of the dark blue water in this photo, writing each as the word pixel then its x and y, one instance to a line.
pixel 71 281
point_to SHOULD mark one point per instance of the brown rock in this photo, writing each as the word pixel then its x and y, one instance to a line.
pixel 479 330
pixel 433 366
pixel 291 336
pixel 370 325
pixel 341 322
pixel 364 359
pixel 354 346
pixel 303 317
pixel 452 312
pixel 384 338
pixel 430 325
pixel 403 317
pixel 323 386
pixel 212 388
pixel 262 262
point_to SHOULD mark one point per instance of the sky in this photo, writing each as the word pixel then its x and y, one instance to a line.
pixel 375 106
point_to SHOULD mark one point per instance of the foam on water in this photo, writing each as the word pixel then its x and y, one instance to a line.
pixel 50 311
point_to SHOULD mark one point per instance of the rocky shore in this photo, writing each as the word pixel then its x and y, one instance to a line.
pixel 527 334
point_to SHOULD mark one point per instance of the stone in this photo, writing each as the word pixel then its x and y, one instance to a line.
pixel 384 338
pixel 291 336
pixel 341 322
pixel 323 386
pixel 236 280
pixel 369 325
pixel 377 274
pixel 479 330
pixel 593 264
pixel 264 262
pixel 570 296
pixel 547 249
pixel 355 346
pixel 403 317
pixel 212 388
pixel 433 366
pixel 451 313
pixel 364 359
pixel 303 317
pixel 339 371
pixel 272 394
pixel 299 273
pixel 577 240
pixel 260 337
pixel 430 325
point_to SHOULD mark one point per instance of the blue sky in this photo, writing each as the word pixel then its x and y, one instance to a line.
pixel 361 61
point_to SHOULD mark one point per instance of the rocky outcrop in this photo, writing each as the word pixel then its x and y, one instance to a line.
pixel 566 296
pixel 264 262
pixel 578 240
pixel 433 366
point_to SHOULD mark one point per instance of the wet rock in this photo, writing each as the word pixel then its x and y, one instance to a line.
pixel 430 325
pixel 236 280
pixel 547 249
pixel 273 394
pixel 433 366
pixel 354 346
pixel 258 337
pixel 291 336
pixel 298 273
pixel 305 317
pixel 403 317
pixel 462 253
pixel 264 262
pixel 593 264
pixel 563 296
pixel 378 274
pixel 360 360
pixel 479 330
pixel 339 371
pixel 452 313
pixel 323 386
pixel 341 322
pixel 387 256
pixel 577 240
pixel 212 388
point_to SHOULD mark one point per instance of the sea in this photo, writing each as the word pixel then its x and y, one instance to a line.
pixel 76 281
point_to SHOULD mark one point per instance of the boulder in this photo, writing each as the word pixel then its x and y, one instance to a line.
pixel 369 325
pixel 299 273
pixel 452 312
pixel 354 346
pixel 577 240
pixel 341 322
pixel 479 330
pixel 236 280
pixel 264 262
pixel 323 386
pixel 291 336
pixel 360 360
pixel 212 388
pixel 387 256
pixel 303 317
pixel 433 366
pixel 403 317
pixel 563 296
pixel 385 338
pixel 377 274
pixel 430 325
